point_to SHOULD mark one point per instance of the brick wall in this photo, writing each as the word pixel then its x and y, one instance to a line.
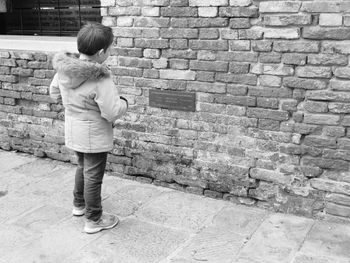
pixel 271 126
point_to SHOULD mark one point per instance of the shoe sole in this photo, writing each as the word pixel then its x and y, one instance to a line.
pixel 95 230
pixel 78 212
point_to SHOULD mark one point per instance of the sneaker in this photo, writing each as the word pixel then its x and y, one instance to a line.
pixel 106 221
pixel 78 211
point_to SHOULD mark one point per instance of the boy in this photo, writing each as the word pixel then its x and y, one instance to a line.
pixel 92 104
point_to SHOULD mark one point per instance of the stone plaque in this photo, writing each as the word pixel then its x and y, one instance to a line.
pixel 173 100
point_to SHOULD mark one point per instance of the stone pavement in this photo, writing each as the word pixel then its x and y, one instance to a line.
pixel 157 224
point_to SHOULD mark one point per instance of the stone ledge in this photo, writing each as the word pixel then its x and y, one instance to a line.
pixel 38 43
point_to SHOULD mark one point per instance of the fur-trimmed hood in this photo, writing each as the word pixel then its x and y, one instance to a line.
pixel 74 71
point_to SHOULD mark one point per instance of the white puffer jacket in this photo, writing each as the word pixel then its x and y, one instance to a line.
pixel 91 101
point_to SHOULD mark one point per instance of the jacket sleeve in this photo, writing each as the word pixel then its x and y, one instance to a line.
pixel 55 93
pixel 111 105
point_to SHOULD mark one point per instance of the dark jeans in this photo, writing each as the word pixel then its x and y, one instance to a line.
pixel 88 182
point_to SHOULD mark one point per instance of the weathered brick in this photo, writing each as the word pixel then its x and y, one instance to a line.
pixel 270 125
pixel 209 66
pixel 328 59
pixel 127 52
pixel 7 62
pixel 208 22
pixel 209 33
pixel 151 43
pixel 299 83
pixel 289 105
pixel 178 33
pixel 282 33
pixel 321 7
pixel 207 11
pixel 330 186
pixel 270 103
pixel 342 47
pixel 315 106
pixel 272 69
pixel 313 72
pixel 178 43
pixel 134 62
pixel 267 114
pixel 177 74
pixel 344 144
pixel 338 84
pixel 208 2
pixel 270 81
pixel 205 76
pixel 160 63
pixel 183 54
pixel 271 57
pixel 149 22
pixel 251 11
pixel 237 89
pixel 150 11
pixel 239 68
pixel 209 44
pixel 338 165
pixel 179 12
pixel 280 7
pixel 328 95
pixel 229 34
pixel 206 87
pixel 294 59
pixel 10 94
pixel 324 33
pixel 9 78
pixel 334 131
pixel 331 20
pixel 236 100
pixel 240 23
pixel 151 53
pixel 5 70
pixel 321 119
pixel 301 46
pixel 254 33
pixel 125 21
pixel 320 141
pixel 247 79
pixel 109 21
pixel 270 176
pixel 287 20
pixel 239 45
pixel 335 107
pixel 238 56
pixel 270 92
pixel 262 45
pixel 179 64
pixel 343 73
pixel 124 11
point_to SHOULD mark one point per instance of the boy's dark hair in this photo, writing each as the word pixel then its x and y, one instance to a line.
pixel 93 37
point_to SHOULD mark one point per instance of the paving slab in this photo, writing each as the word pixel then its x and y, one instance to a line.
pixel 277 239
pixel 56 243
pixel 41 218
pixel 10 160
pixel 221 241
pixel 319 259
pixel 132 241
pixel 178 209
pixel 328 240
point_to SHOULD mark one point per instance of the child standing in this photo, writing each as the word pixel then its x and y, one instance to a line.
pixel 92 104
